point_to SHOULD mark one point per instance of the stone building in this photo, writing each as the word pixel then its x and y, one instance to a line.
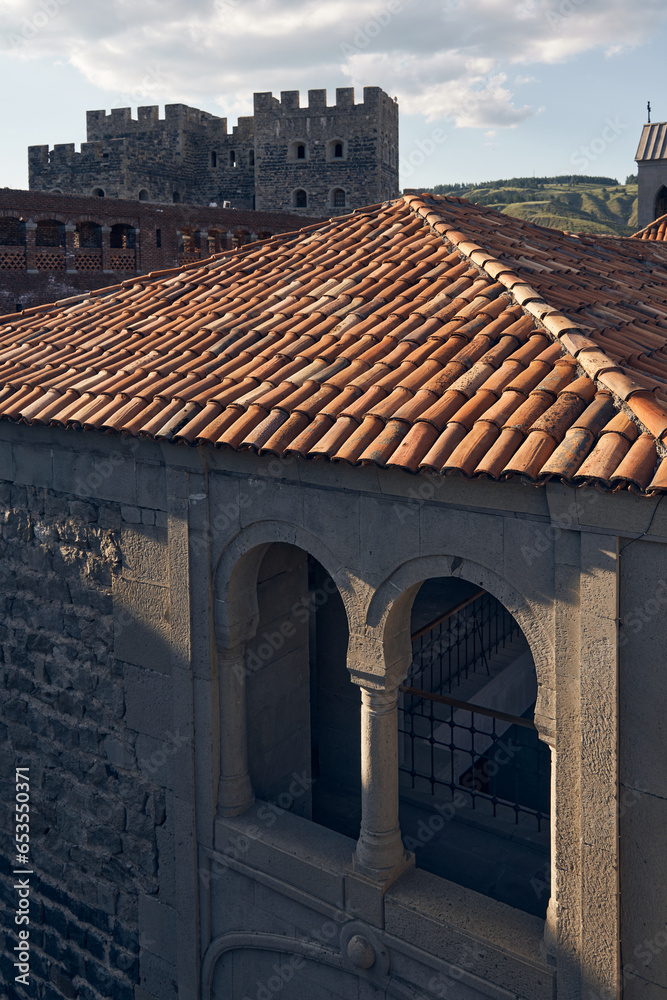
pixel 317 160
pixel 333 590
pixel 53 246
pixel 652 173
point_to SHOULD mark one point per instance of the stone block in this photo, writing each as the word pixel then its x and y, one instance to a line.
pixel 158 976
pixel 141 625
pixel 145 554
pixel 117 753
pixel 148 700
pixel 157 928
pixel 6 462
pixel 643 879
pixel 155 759
pixel 33 466
pixel 151 486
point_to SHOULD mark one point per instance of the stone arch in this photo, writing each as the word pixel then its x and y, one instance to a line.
pixel 298 151
pixel 337 197
pixel 660 205
pixel 235 576
pixel 336 149
pixel 389 610
pixel 299 198
pixel 314 951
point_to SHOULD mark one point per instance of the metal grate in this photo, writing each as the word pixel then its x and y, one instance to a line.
pixel 456 751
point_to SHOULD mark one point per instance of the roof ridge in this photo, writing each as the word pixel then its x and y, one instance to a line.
pixel 559 328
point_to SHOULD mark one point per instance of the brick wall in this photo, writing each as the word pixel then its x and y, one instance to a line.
pixel 21 283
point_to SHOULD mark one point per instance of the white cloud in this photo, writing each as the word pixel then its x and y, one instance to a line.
pixel 442 58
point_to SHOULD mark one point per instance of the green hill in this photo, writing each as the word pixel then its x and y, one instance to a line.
pixel 578 204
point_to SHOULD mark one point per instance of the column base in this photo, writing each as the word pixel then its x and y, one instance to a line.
pixel 383 876
pixel 235 796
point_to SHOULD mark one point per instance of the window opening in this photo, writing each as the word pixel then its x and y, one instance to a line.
pixel 98 192
pixel 158 238
pixel 339 198
pixel 232 158
pixel 12 232
pixel 50 233
pixel 176 197
pixel 661 202
pixel 88 236
pixel 301 151
pixel 300 199
pixel 251 158
pixel 214 159
pixel 474 775
pixel 122 237
pixel 143 195
pixel 338 150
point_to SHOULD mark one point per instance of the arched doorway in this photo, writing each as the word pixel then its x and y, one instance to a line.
pixel 474 775
pixel 303 729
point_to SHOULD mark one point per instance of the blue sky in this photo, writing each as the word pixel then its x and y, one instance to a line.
pixel 487 88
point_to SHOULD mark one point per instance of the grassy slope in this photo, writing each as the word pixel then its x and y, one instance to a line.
pixel 578 208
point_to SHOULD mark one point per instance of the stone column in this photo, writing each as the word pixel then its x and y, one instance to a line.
pixel 235 794
pixel 106 250
pixel 70 252
pixel 380 854
pixel 30 247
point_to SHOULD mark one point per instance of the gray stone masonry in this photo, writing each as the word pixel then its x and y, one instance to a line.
pixel 341 156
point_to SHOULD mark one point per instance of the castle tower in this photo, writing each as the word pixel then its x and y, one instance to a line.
pixel 318 160
pixel 652 173
pixel 323 159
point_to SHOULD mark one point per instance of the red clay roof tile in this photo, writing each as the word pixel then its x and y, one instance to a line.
pixel 421 333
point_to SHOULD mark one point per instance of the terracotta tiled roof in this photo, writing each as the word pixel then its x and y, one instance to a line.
pixel 656 230
pixel 424 334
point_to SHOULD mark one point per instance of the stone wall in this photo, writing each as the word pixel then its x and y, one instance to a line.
pixel 190 157
pixel 651 176
pixel 26 280
pixel 98 816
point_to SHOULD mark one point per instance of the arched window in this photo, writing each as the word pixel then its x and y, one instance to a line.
pixel 473 771
pixel 123 237
pixel 214 159
pixel 300 199
pixel 336 149
pixel 176 197
pixel 50 233
pixel 338 198
pixel 143 195
pixel 12 232
pixel 98 192
pixel 660 203
pixel 297 151
pixel 88 236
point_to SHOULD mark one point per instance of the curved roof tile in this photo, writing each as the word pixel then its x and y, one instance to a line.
pixel 423 334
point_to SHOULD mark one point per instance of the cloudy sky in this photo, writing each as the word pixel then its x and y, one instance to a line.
pixel 486 88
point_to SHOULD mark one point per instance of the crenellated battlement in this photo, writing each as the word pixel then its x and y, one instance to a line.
pixel 100 125
pixel 290 101
pixel 320 157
